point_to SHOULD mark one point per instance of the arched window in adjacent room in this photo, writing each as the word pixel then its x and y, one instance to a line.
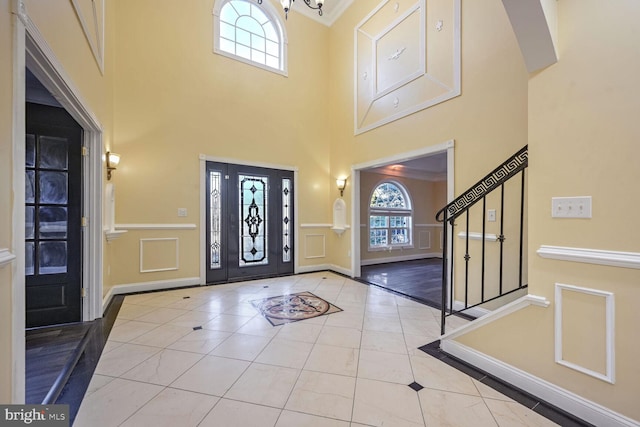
pixel 390 216
pixel 251 33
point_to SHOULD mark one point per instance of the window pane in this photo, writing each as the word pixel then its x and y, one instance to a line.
pixel 250 25
pixel 228 14
pixel 53 187
pixel 243 37
pixel 258 15
pixel 378 221
pixel 273 62
pixel 29 251
pixel 29 222
pixel 270 32
pixel 30 187
pixel 257 43
pixel 378 237
pixel 31 151
pixel 243 51
pixel 242 7
pixel 286 219
pixel 227 46
pixel 216 218
pixel 398 221
pixel 257 56
pixel 53 153
pixel 227 31
pixel 53 223
pixel 399 236
pixel 53 257
pixel 388 195
pixel 253 220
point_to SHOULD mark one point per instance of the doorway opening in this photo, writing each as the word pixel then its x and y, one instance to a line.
pixel 399 243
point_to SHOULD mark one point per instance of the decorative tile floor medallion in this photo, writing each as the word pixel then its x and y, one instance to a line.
pixel 293 307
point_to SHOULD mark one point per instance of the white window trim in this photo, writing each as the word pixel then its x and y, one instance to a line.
pixel 273 14
pixel 408 212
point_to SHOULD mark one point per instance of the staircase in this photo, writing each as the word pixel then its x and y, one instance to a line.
pixel 484 241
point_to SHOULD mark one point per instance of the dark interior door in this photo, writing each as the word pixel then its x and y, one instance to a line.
pixel 53 196
pixel 249 222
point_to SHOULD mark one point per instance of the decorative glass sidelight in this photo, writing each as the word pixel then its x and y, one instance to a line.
pixel 215 218
pixel 253 220
pixel 286 219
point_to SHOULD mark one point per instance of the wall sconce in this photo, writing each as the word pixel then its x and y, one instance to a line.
pixel 341 183
pixel 113 160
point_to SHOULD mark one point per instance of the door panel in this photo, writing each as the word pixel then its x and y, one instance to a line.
pixel 249 222
pixel 52 216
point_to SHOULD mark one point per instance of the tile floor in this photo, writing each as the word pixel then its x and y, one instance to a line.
pixel 350 368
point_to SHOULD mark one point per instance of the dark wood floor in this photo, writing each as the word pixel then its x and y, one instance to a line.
pixel 60 360
pixel 419 279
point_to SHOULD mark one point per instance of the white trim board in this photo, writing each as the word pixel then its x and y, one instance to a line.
pixel 157 285
pixel 544 390
pixel 155 226
pixel 591 256
pixel 6 257
pixel 473 235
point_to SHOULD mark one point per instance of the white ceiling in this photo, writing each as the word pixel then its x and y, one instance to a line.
pixel 331 10
pixel 430 168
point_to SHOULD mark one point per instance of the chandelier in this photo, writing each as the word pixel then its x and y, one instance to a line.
pixel 286 5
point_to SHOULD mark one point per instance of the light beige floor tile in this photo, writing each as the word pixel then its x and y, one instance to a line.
pixel 172 408
pixel 415 341
pixel 297 419
pixel 114 403
pixel 341 337
pixel 230 413
pixel 123 358
pixel 383 404
pixel 132 311
pixel 418 326
pixel 201 341
pixel 259 326
pixel 381 309
pixel 96 383
pixel 111 345
pixel 242 347
pixel 162 336
pixel 227 322
pixel 192 319
pixel 382 323
pixel 390 367
pixel 323 394
pixel 139 298
pixel 432 373
pixel 130 330
pixel 346 319
pixel 188 304
pixel 242 309
pixel 162 368
pixel 287 353
pixel 300 331
pixel 442 408
pixel 162 315
pixel 390 342
pixel 418 312
pixel 513 414
pixel 333 360
pixel 211 375
pixel 160 300
pixel 264 385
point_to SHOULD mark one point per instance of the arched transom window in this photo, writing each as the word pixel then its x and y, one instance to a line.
pixel 251 33
pixel 390 216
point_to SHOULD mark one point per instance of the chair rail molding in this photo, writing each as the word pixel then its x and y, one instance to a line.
pixel 591 256
pixel 6 257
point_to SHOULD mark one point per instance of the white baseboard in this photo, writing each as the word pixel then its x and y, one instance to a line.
pixel 544 390
pixel 323 267
pixel 148 286
pixel 400 258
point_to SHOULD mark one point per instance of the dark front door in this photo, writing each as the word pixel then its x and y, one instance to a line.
pixel 52 216
pixel 249 222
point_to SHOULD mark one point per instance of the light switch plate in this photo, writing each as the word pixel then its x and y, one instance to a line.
pixel 182 211
pixel 571 207
pixel 491 215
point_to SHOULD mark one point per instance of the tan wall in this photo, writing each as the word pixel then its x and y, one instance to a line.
pixel 176 99
pixel 6 204
pixel 583 142
pixel 426 199
pixel 488 121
